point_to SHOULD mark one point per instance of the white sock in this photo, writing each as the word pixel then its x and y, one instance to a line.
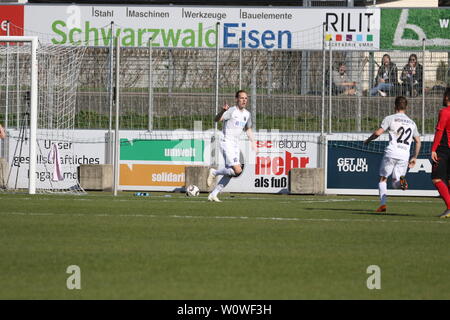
pixel 224 172
pixel 222 184
pixel 382 189
pixel 396 184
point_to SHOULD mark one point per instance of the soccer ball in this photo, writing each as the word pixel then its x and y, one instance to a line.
pixel 192 191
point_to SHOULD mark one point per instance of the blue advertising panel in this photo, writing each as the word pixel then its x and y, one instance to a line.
pixel 353 165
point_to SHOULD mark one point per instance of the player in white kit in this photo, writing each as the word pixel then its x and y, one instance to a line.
pixel 235 120
pixel 396 160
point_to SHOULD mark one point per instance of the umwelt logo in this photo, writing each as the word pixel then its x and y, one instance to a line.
pixel 12 18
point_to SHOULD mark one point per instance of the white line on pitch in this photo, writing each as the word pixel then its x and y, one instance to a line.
pixel 216 217
pixel 285 200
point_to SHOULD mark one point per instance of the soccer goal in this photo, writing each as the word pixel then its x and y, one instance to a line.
pixel 39 81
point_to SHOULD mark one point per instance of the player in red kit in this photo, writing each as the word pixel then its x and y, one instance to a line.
pixel 440 154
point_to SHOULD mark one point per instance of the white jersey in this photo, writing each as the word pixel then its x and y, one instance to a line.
pixel 401 130
pixel 234 122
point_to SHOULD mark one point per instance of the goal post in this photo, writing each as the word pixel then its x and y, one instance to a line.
pixel 33 102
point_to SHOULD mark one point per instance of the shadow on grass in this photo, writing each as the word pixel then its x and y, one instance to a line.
pixel 385 214
pixel 369 213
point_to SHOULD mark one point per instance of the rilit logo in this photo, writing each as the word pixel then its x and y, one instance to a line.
pixel 349 26
pixel 349 22
pixel 405 24
pixel 349 37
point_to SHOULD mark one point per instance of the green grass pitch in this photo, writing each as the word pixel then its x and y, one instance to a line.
pixel 169 246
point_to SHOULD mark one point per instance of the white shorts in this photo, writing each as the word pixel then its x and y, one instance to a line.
pixel 230 152
pixel 394 167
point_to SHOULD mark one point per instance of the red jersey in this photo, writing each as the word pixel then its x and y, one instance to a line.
pixel 442 133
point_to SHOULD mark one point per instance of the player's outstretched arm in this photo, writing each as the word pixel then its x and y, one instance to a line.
pixel 374 135
pixel 218 116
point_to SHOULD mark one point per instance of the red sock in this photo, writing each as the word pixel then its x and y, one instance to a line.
pixel 444 192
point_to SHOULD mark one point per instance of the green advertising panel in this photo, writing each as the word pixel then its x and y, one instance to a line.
pixel 404 29
pixel 161 150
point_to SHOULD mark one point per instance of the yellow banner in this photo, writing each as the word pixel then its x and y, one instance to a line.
pixel 152 175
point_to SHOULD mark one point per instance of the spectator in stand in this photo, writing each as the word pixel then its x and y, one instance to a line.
pixel 386 77
pixel 412 77
pixel 342 82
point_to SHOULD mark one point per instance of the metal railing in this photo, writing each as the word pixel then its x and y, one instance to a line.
pixel 288 90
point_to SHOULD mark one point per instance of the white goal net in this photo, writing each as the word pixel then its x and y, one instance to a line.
pixel 44 114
